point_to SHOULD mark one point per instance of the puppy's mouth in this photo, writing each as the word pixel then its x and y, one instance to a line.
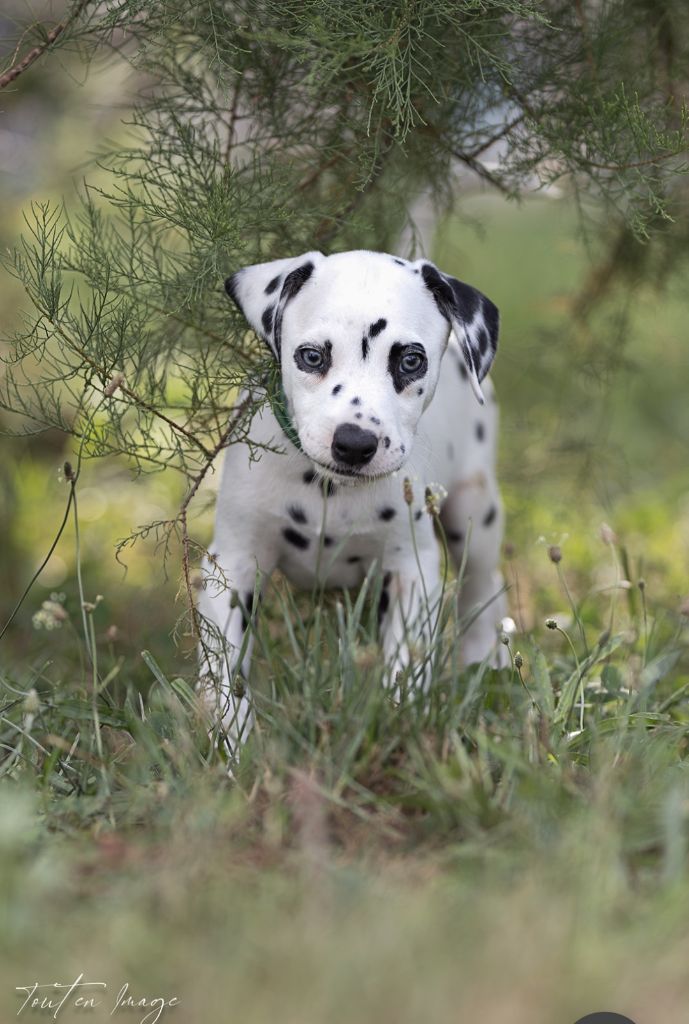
pixel 351 477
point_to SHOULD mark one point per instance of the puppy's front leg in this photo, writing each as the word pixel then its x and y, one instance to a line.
pixel 225 608
pixel 408 614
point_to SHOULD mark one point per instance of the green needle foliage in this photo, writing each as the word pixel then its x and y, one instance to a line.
pixel 266 128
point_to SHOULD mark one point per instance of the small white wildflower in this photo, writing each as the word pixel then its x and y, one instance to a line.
pixel 31 705
pixel 559 620
pixel 434 495
pixel 51 614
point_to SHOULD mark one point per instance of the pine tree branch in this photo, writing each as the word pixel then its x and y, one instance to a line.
pixel 32 56
pixel 479 169
pixel 495 138
pixel 327 230
pixel 136 399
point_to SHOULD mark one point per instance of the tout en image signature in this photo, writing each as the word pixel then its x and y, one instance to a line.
pixel 53 999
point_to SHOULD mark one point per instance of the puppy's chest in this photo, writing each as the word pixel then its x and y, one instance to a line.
pixel 335 537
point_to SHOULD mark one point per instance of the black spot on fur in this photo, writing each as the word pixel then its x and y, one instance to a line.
pixel 460 302
pixel 490 516
pixel 480 431
pixel 439 287
pixel 294 282
pixel 356 401
pixel 247 609
pixel 380 325
pixel 336 390
pixel 386 514
pixel 328 541
pixel 326 350
pixel 491 318
pixel 384 602
pixel 352 559
pixel 455 536
pixel 400 378
pixel 297 513
pixel 231 287
pixel 272 285
pixel 386 442
pixel 296 538
pixel 418 514
pixel 420 391
pixel 374 419
pixel 402 449
pixel 364 347
pixel 311 477
pixel 358 415
pixel 467 299
pixel 400 263
pixel 267 319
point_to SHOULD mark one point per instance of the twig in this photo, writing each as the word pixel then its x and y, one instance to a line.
pixel 45 561
pixel 587 37
pixel 329 226
pixel 478 168
pixel 142 403
pixel 14 72
pixel 495 138
pixel 632 165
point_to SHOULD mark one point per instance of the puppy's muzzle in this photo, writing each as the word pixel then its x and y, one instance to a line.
pixel 353 446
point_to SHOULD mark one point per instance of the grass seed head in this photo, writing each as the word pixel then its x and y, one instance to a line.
pixel 607 534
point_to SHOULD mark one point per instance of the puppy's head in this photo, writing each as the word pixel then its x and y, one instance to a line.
pixel 359 338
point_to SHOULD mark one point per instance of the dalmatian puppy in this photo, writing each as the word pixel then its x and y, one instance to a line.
pixel 381 362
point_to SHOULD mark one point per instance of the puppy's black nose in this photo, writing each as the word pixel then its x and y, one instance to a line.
pixel 353 446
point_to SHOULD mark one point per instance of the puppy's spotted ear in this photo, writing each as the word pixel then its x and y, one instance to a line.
pixel 262 291
pixel 473 318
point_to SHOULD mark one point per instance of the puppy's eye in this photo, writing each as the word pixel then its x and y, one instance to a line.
pixel 310 358
pixel 411 362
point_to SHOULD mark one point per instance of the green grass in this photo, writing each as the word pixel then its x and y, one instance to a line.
pixel 475 856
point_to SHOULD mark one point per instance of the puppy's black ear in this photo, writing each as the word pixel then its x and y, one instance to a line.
pixel 263 290
pixel 473 318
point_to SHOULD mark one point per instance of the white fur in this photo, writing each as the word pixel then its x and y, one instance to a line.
pixel 442 437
